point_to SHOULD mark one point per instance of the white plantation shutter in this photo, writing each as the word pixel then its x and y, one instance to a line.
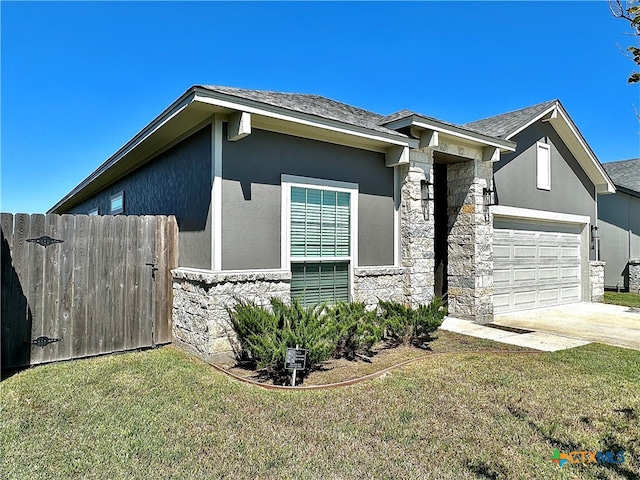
pixel 314 283
pixel 320 228
pixel 320 223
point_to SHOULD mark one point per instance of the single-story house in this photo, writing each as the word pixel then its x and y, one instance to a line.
pixel 619 222
pixel 297 195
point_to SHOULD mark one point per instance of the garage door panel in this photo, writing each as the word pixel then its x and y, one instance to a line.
pixel 524 251
pixel 549 273
pixel 501 276
pixel 524 299
pixel 535 265
pixel 551 295
pixel 501 251
pixel 570 273
pixel 524 274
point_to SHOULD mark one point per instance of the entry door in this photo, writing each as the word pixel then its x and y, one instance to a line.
pixel 535 264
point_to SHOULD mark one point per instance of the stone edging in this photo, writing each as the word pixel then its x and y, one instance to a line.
pixel 371 376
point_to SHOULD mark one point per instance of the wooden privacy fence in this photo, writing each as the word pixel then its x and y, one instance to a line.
pixel 77 285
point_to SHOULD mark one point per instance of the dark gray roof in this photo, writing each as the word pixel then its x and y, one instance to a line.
pixel 311 105
pixel 625 173
pixel 502 125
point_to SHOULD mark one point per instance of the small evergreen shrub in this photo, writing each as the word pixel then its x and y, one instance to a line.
pixel 344 330
pixel 266 333
pixel 404 324
pixel 359 329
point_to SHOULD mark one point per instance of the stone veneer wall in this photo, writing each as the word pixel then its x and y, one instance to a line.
pixel 201 322
pixel 596 280
pixel 470 250
pixel 417 230
pixel 634 275
pixel 371 284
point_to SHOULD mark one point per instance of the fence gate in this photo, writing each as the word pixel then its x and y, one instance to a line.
pixel 77 285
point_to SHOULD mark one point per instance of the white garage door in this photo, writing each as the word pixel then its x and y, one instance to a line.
pixel 535 264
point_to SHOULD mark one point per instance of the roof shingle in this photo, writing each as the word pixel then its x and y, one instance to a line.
pixel 502 125
pixel 625 173
pixel 311 105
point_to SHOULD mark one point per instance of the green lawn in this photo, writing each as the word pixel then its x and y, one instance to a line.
pixel 626 299
pixel 163 414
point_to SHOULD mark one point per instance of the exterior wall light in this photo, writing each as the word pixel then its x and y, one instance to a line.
pixel 595 237
pixel 488 197
pixel 425 195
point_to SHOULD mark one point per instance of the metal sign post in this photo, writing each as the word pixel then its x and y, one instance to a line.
pixel 295 360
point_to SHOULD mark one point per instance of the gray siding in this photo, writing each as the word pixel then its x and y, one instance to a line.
pixel 251 195
pixel 177 182
pixel 515 177
pixel 619 236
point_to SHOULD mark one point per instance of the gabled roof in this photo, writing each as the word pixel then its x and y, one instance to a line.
pixel 625 174
pixel 508 125
pixel 315 105
pixel 504 124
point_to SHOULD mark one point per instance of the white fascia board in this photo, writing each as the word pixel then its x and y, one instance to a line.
pixel 592 167
pixel 530 214
pixel 265 110
pixel 507 146
pixel 169 113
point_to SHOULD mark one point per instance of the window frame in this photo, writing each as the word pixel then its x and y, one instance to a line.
pixel 543 183
pixel 94 211
pixel 288 181
pixel 114 197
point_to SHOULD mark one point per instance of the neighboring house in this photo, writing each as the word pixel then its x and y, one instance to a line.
pixel 619 224
pixel 296 195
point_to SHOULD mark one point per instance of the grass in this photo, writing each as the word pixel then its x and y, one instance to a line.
pixel 163 414
pixel 627 299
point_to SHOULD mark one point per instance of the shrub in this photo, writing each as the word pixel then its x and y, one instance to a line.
pixel 359 329
pixel 404 324
pixel 266 333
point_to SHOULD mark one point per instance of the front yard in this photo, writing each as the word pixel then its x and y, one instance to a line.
pixel 164 414
pixel 628 299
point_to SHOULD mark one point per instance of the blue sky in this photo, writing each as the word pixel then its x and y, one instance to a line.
pixel 80 79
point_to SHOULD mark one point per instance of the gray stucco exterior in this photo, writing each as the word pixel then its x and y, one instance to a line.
pixel 619 230
pixel 176 182
pixel 572 191
pixel 251 195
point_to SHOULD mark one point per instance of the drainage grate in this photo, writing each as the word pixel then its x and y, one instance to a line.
pixel 509 329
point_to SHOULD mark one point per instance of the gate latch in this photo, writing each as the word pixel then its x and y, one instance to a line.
pixel 154 269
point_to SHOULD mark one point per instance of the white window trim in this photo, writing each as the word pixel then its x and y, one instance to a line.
pixel 94 211
pixel 546 184
pixel 288 181
pixel 113 197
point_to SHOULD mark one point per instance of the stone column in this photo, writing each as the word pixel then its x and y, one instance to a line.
pixel 417 229
pixel 596 280
pixel 634 275
pixel 470 251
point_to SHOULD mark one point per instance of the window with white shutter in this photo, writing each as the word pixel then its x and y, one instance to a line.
pixel 320 241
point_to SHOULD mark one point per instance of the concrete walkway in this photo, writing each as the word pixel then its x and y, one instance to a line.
pixel 548 342
pixel 559 328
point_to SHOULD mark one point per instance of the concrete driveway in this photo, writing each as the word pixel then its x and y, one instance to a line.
pixel 594 322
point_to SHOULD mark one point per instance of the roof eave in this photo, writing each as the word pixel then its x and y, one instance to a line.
pixel 420 122
pixel 202 104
